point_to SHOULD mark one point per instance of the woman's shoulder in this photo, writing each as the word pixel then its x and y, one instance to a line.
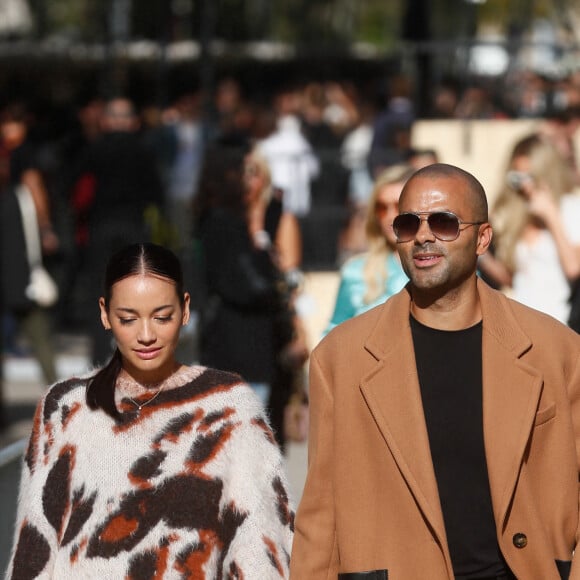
pixel 354 264
pixel 226 387
pixel 65 393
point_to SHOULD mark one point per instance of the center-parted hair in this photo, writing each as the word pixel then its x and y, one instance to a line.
pixel 143 258
pixel 132 260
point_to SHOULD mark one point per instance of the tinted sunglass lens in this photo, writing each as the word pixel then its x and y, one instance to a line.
pixel 406 226
pixel 444 226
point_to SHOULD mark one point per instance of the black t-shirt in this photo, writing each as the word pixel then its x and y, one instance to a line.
pixel 450 376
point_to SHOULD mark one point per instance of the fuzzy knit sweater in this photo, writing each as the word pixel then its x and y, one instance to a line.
pixel 191 486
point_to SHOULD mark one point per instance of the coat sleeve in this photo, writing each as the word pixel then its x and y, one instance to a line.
pixel 574 397
pixel 35 540
pixel 315 551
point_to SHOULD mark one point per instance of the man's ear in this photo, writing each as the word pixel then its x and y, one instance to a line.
pixel 484 237
pixel 104 314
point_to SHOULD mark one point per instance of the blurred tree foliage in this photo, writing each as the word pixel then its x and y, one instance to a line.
pixel 305 23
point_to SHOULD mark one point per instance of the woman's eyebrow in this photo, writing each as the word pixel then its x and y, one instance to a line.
pixel 128 310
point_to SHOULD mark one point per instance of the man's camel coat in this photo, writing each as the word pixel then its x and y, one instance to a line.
pixel 371 502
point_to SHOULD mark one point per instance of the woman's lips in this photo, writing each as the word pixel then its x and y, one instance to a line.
pixel 148 354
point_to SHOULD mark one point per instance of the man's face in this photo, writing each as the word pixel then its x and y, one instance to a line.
pixel 432 264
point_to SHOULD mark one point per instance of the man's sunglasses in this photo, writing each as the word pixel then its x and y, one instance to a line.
pixel 444 225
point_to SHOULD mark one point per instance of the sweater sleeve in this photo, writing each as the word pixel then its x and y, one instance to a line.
pixel 262 543
pixel 35 539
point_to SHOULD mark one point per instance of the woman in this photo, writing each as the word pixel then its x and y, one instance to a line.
pixel 536 234
pixel 148 468
pixel 266 217
pixel 370 278
pixel 278 231
pixel 246 319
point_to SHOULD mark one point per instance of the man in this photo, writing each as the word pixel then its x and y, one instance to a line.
pixel 444 423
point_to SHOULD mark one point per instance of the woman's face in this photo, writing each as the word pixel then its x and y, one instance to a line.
pixel 521 163
pixel 387 208
pixel 145 316
pixel 519 176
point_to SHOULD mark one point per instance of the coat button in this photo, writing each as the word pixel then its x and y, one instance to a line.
pixel 520 540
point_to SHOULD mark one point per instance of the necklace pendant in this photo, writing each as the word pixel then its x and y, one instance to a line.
pixel 139 407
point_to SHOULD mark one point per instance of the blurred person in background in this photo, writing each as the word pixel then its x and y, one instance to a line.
pixel 419 158
pixel 329 187
pixel 354 152
pixel 247 317
pixel 560 127
pixel 279 229
pixel 19 168
pixel 293 163
pixel 183 174
pixel 85 130
pixel 117 181
pixel 370 278
pixel 234 115
pixel 392 127
pixel 535 220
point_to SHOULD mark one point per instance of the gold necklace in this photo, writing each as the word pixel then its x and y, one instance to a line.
pixel 141 405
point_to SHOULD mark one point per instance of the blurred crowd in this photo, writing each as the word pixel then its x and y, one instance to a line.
pixel 251 191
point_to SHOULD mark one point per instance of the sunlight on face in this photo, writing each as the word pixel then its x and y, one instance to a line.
pixel 145 316
pixel 429 262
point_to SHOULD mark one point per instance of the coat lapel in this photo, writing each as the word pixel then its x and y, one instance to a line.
pixel 393 396
pixel 511 394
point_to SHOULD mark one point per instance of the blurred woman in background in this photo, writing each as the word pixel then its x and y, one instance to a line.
pixel 536 235
pixel 247 320
pixel 269 222
pixel 368 279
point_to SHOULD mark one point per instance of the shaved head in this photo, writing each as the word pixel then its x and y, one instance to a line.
pixel 474 190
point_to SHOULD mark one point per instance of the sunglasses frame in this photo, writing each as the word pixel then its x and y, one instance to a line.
pixel 423 216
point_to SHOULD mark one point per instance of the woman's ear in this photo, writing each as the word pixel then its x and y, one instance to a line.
pixel 185 315
pixel 104 314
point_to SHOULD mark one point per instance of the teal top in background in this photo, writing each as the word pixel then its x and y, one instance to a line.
pixel 352 288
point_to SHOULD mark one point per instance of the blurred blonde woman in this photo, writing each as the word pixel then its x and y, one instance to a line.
pixel 273 228
pixel 369 278
pixel 267 222
pixel 536 234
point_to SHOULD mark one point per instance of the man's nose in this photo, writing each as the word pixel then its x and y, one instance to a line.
pixel 424 233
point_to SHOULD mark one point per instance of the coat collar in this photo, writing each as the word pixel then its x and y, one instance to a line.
pixel 511 391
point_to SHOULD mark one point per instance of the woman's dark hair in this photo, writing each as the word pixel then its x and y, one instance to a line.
pixel 221 183
pixel 134 259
